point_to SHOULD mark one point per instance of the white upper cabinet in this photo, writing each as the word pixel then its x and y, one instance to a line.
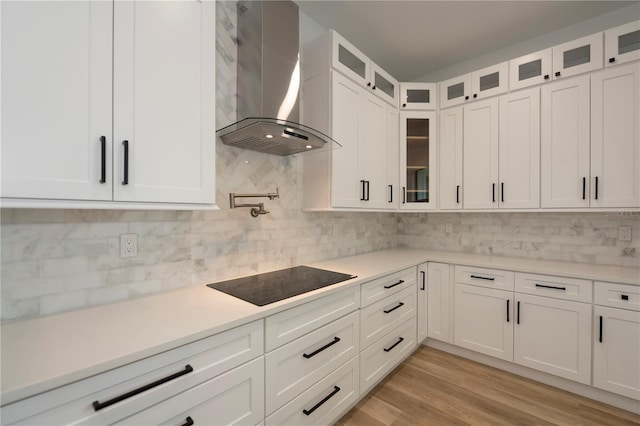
pixel 455 91
pixel 56 100
pixel 350 61
pixel 392 159
pixel 450 159
pixel 418 175
pixel 529 70
pixel 417 96
pixel 490 81
pixel 615 137
pixel 622 44
pixel 578 56
pixel 565 177
pixel 76 72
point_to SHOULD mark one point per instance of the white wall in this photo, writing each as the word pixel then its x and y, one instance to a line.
pixel 581 29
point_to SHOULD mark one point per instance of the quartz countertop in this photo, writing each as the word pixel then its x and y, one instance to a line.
pixel 47 352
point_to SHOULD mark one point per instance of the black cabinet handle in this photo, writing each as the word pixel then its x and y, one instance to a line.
pixel 457 194
pixel 188 422
pixel 557 73
pixel 475 95
pixel 466 98
pixel 502 192
pixel 596 187
pixel 424 280
pixel 584 188
pixel 317 351
pixel 399 305
pixel 400 340
pixel 482 278
pixel 369 84
pixel 125 177
pixel 393 285
pixel 553 287
pixel 404 195
pixel 600 336
pixel 103 159
pixel 100 405
pixel 404 105
pixel 335 390
pixel 493 192
pixel 518 313
pixel 373 88
pixel 362 192
pixel 612 60
pixel 546 77
pixel 391 193
pixel 507 310
pixel 368 190
pixel 624 296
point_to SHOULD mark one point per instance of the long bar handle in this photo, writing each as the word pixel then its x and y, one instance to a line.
pixel 317 351
pixel 508 310
pixel 424 280
pixel 335 390
pixel 387 287
pixel 188 422
pixel 400 340
pixel 600 336
pixel 482 278
pixel 125 177
pixel 553 287
pixel 103 159
pixel 457 194
pixel 399 305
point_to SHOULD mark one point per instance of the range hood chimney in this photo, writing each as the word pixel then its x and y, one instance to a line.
pixel 269 83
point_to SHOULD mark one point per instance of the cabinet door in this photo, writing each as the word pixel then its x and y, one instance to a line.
pixel 484 320
pixel 480 162
pixel 450 164
pixel 56 100
pixel 616 351
pixel 418 160
pixel 578 56
pixel 553 336
pixel 384 85
pixel 622 44
pixel 346 182
pixel 490 81
pixel 440 302
pixel 519 163
pixel 164 101
pixel 350 61
pixel 422 313
pixel 371 152
pixel 417 96
pixel 529 70
pixel 392 158
pixel 455 91
pixel 615 137
pixel 564 143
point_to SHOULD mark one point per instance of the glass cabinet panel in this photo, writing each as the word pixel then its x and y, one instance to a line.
pixel 578 56
pixel 351 61
pixel 417 96
pixel 622 44
pixel 418 160
pixel 529 70
pixel 385 85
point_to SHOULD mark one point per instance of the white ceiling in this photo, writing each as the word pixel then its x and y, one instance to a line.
pixel 410 39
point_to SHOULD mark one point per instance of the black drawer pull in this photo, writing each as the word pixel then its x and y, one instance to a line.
pixel 335 390
pixel 424 280
pixel 100 405
pixel 596 187
pixel 362 197
pixel 553 287
pixel 493 192
pixel 103 159
pixel 125 177
pixel 483 278
pixel 399 305
pixel 317 351
pixel 457 194
pixel 502 191
pixel 368 184
pixel 507 310
pixel 404 195
pixel 188 422
pixel 393 285
pixel 400 340
pixel 584 188
pixel 518 313
pixel 600 337
pixel 624 296
pixel 391 193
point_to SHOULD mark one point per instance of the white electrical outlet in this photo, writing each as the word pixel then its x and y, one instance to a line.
pixel 448 228
pixel 128 245
pixel 624 233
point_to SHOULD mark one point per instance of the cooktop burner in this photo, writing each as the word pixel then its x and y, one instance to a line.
pixel 270 287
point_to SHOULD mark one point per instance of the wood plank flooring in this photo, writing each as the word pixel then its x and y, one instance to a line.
pixel 436 388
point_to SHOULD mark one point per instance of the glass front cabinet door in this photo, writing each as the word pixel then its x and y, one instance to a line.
pixel 417 96
pixel 622 44
pixel 578 56
pixel 529 70
pixel 418 160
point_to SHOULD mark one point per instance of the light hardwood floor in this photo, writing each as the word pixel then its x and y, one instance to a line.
pixel 436 388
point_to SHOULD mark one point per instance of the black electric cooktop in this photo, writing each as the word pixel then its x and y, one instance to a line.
pixel 270 287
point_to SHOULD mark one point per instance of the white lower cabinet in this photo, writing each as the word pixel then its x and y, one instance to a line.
pixel 377 319
pixel 439 294
pixel 236 397
pixel 323 402
pixel 423 300
pixel 616 341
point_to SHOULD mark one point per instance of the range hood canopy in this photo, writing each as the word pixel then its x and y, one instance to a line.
pixel 269 83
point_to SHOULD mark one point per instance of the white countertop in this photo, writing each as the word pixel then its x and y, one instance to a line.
pixel 43 353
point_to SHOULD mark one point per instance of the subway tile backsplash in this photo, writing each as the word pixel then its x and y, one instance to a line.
pixel 59 260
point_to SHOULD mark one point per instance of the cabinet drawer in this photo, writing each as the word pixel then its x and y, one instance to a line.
pixel 73 403
pixel 286 326
pixel 382 287
pixel 386 314
pixel 617 295
pixel 323 402
pixel 381 357
pixel 492 278
pixel 235 397
pixel 295 367
pixel 556 287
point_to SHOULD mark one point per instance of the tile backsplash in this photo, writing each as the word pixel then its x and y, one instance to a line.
pixel 59 260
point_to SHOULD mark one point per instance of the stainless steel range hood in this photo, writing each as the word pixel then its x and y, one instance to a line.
pixel 269 83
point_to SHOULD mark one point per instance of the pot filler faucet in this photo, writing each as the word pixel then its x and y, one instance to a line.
pixel 256 209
